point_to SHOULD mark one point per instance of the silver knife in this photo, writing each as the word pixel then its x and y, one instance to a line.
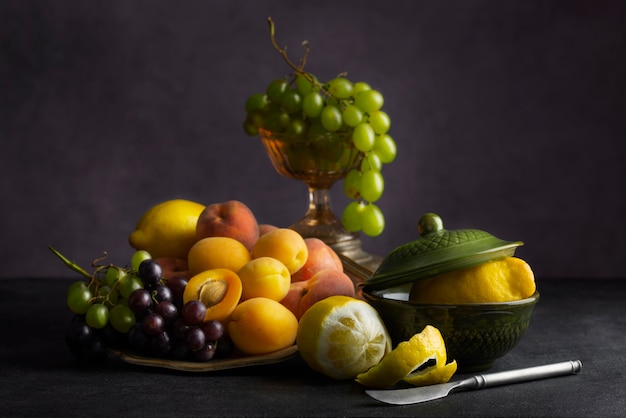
pixel 429 393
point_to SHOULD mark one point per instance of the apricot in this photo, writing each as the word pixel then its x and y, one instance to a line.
pixel 218 289
pixel 232 219
pixel 217 252
pixel 264 277
pixel 283 244
pixel 261 325
pixel 302 295
pixel 321 257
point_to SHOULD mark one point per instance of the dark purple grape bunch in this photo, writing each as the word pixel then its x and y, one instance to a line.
pixel 168 328
pixel 85 342
pixel 154 308
pixel 196 339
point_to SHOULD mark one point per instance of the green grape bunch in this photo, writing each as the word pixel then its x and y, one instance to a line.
pixel 299 104
pixel 101 296
pixel 138 309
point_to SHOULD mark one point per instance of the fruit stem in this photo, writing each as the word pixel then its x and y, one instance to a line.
pixel 71 264
pixel 97 260
pixel 298 69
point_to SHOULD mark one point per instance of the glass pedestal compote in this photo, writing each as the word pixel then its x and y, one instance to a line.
pixel 319 163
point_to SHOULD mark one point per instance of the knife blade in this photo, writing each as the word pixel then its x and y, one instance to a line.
pixel 480 381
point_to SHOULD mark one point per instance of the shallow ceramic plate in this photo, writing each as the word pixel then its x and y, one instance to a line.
pixel 208 366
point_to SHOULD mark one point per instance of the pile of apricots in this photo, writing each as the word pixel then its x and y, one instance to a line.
pixel 257 279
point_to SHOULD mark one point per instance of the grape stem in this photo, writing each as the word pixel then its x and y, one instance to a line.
pixel 283 52
pixel 71 264
pixel 97 260
pixel 92 280
pixel 299 69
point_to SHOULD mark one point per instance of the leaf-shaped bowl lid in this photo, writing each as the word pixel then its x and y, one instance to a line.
pixel 437 251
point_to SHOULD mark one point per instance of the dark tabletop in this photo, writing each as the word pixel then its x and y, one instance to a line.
pixel 574 319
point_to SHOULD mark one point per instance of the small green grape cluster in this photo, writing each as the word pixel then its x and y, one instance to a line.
pixel 99 303
pixel 137 308
pixel 102 298
pixel 300 105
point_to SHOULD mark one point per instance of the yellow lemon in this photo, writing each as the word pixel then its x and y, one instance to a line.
pixel 412 360
pixel 167 229
pixel 342 336
pixel 503 280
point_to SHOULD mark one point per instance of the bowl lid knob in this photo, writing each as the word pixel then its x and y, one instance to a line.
pixel 430 222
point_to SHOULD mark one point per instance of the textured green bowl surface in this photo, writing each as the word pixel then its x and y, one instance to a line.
pixel 475 334
pixel 436 252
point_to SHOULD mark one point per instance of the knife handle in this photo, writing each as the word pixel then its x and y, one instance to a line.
pixel 527 374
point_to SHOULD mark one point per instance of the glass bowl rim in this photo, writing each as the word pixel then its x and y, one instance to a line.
pixel 304 139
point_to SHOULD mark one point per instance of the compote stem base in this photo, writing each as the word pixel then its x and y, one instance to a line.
pixel 320 222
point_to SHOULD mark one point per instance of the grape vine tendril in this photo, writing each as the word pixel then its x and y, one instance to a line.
pixel 298 69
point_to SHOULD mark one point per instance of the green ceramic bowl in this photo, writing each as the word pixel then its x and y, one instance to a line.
pixel 476 335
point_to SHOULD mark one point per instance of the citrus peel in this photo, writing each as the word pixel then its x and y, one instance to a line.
pixel 410 360
pixel 432 376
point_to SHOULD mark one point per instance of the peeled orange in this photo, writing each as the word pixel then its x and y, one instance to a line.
pixel 342 336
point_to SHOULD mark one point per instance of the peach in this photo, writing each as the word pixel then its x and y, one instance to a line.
pixel 261 325
pixel 264 277
pixel 324 283
pixel 321 257
pixel 217 252
pixel 174 266
pixel 294 296
pixel 265 228
pixel 283 244
pixel 232 219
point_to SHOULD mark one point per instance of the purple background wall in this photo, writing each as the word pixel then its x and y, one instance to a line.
pixel 509 117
